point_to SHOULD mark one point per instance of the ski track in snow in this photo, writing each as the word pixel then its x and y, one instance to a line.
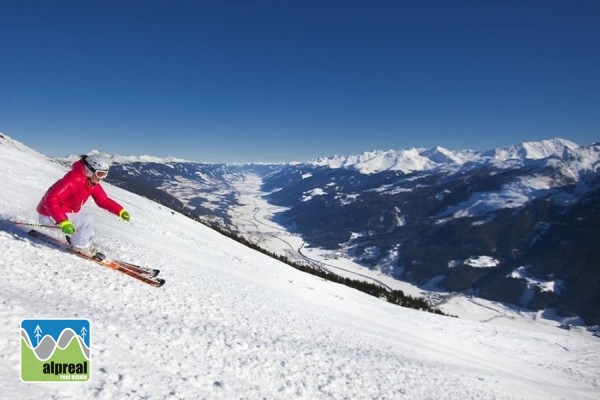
pixel 231 323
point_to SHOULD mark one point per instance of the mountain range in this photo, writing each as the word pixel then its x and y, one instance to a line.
pixel 517 224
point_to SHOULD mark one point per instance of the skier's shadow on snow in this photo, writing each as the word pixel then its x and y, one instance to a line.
pixel 16 231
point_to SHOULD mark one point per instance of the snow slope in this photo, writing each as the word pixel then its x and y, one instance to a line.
pixel 232 323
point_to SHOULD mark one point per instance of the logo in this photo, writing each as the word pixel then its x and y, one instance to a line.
pixel 55 350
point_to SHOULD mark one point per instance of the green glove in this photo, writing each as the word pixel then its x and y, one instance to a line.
pixel 124 215
pixel 67 227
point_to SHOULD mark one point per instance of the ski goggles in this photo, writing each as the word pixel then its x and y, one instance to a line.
pixel 100 174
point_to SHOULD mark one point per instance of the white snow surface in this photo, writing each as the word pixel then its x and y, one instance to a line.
pixel 231 323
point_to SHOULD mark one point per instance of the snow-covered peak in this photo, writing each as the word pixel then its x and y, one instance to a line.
pixel 404 160
pixel 146 159
pixel 370 162
pixel 129 159
pixel 441 155
pixel 411 160
pixel 532 150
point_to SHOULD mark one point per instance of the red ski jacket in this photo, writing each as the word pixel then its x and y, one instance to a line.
pixel 71 192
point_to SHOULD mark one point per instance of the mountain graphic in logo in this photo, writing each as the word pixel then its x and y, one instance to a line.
pixel 55 350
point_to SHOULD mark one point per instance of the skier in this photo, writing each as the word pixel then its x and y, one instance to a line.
pixel 61 205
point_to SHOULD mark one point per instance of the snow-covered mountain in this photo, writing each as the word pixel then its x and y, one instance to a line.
pixel 419 215
pixel 415 160
pixel 232 323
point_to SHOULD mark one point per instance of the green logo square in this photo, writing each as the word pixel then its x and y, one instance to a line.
pixel 55 350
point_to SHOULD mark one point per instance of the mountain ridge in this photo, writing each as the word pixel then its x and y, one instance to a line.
pixel 412 213
pixel 422 159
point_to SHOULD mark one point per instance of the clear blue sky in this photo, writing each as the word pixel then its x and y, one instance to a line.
pixel 277 80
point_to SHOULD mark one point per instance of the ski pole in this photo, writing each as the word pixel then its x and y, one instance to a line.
pixel 30 224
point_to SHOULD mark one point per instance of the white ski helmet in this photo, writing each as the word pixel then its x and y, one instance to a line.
pixel 96 164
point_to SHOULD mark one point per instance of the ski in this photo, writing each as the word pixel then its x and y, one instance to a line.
pixel 146 275
pixel 151 272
